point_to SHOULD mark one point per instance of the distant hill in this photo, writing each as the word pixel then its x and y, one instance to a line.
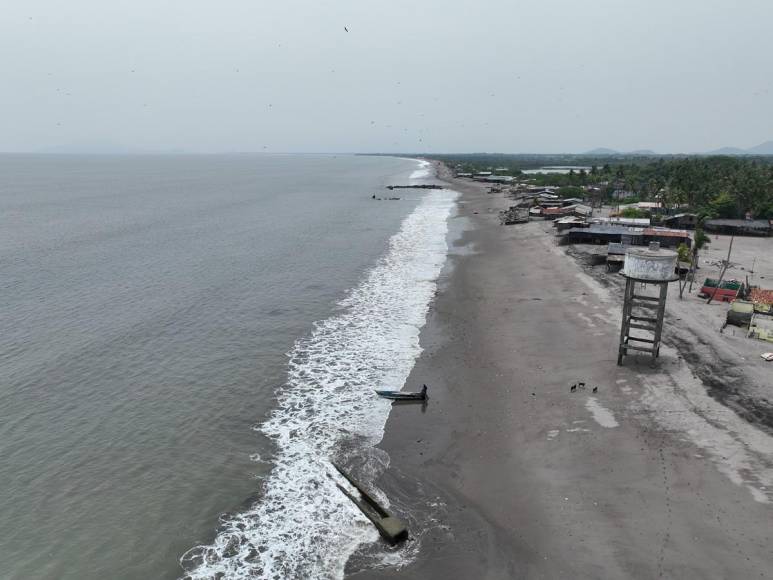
pixel 606 152
pixel 727 151
pixel 765 148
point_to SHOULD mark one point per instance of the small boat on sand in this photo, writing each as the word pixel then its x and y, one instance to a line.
pixel 398 396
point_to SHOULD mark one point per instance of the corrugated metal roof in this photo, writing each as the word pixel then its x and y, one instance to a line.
pixel 642 205
pixel 623 221
pixel 754 224
pixel 761 296
pixel 611 230
pixel 666 233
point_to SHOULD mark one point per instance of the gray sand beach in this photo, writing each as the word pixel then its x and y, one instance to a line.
pixel 507 474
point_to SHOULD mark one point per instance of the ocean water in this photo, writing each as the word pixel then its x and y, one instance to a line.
pixel 187 342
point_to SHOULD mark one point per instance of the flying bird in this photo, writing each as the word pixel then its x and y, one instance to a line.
pixel 347 30
pixel 573 388
pixel 595 389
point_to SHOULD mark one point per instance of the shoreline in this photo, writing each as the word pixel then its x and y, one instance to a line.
pixel 326 412
pixel 509 475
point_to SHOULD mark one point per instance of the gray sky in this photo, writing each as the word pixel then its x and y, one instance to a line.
pixel 432 75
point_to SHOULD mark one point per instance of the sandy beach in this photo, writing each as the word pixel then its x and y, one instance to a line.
pixel 507 474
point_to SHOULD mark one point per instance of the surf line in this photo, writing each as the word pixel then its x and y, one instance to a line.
pixel 303 527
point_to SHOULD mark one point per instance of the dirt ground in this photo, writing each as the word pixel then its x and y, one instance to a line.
pixel 727 362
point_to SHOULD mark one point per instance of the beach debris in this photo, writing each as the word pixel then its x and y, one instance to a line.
pixel 581 386
pixel 391 528
pixel 398 396
pixel 514 215
pixel 595 389
pixel 573 388
pixel 768 356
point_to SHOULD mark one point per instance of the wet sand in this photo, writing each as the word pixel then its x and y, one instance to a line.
pixel 507 474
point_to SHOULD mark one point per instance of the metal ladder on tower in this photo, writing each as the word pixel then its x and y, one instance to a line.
pixel 654 307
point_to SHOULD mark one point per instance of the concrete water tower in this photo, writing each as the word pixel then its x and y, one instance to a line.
pixel 643 313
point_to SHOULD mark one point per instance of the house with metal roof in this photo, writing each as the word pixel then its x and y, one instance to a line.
pixel 628 236
pixel 738 227
pixel 685 221
pixel 604 234
pixel 623 221
pixel 666 237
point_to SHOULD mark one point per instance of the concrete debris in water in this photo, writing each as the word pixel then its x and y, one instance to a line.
pixel 391 528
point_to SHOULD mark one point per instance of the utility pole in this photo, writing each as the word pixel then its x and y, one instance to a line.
pixel 725 266
pixel 693 267
pixel 690 273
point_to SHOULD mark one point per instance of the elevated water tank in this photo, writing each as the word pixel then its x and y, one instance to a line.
pixel 650 263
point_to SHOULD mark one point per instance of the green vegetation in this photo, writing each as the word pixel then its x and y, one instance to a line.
pixel 684 252
pixel 571 191
pixel 634 212
pixel 724 205
pixel 701 239
pixel 717 186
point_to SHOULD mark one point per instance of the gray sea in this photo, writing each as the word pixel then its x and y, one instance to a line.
pixel 186 342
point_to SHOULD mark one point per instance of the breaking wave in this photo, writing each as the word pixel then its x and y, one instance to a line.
pixel 303 527
pixel 422 172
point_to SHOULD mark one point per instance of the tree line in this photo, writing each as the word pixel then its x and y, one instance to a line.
pixel 716 186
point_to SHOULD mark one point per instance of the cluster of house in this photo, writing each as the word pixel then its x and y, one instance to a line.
pixel 680 221
pixel 488 177
pixel 688 221
pixel 621 231
pixel 575 223
pixel 618 233
pixel 550 206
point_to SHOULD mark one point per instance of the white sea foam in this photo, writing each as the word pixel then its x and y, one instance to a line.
pixel 303 527
pixel 422 172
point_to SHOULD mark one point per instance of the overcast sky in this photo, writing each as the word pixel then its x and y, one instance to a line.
pixel 429 75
